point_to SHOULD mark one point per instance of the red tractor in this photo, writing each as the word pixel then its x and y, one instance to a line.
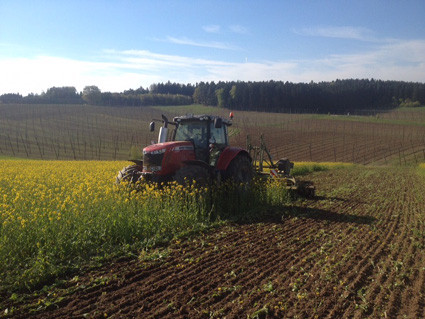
pixel 198 151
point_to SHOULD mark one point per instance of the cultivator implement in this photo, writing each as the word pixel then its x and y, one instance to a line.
pixel 265 167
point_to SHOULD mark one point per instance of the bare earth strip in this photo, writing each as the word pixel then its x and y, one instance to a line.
pixel 355 251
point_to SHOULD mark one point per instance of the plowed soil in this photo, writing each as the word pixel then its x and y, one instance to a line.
pixel 355 251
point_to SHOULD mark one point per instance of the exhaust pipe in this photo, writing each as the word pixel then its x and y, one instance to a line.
pixel 162 137
pixel 163 130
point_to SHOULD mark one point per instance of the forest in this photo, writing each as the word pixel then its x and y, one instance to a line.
pixel 340 96
pixel 337 97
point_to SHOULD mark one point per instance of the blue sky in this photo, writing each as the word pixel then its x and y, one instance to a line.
pixel 118 45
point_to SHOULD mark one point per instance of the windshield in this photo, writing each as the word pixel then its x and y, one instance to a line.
pixel 218 135
pixel 195 131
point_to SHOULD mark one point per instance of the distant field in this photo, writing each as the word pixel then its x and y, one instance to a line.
pixel 110 133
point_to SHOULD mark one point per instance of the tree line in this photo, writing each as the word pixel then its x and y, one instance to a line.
pixel 158 94
pixel 340 96
pixel 140 97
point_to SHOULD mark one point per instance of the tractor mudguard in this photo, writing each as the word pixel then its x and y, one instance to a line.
pixel 137 162
pixel 228 154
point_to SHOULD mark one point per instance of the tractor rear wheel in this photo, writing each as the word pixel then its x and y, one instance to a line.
pixel 129 174
pixel 193 173
pixel 240 170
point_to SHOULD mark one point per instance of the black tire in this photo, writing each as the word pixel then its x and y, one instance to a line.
pixel 189 173
pixel 240 170
pixel 129 174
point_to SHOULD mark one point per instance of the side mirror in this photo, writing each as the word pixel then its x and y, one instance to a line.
pixel 152 126
pixel 218 123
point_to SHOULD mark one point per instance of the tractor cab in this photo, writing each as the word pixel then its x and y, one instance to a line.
pixel 207 133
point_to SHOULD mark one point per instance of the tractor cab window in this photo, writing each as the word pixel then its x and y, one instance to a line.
pixel 218 135
pixel 195 131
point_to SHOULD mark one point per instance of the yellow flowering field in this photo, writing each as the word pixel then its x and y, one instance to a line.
pixel 301 168
pixel 54 215
pixel 324 164
pixel 58 215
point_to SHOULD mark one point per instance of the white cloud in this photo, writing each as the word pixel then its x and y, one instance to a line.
pixel 238 29
pixel 117 71
pixel 211 44
pixel 344 32
pixel 211 28
pixel 260 71
pixel 400 60
pixel 34 75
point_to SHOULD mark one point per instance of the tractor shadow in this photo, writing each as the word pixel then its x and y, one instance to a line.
pixel 335 199
pixel 279 214
pixel 326 215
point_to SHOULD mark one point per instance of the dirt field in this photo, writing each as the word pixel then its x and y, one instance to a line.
pixel 355 251
pixel 118 133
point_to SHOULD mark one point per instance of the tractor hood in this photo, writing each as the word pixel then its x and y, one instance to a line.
pixel 166 158
pixel 174 146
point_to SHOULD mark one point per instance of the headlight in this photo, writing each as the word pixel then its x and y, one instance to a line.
pixel 161 151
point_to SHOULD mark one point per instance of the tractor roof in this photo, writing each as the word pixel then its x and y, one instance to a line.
pixel 203 117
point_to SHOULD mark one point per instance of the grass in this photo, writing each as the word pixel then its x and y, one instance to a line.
pixel 11 158
pixel 411 109
pixel 192 109
pixel 58 216
pixel 304 168
pixel 381 118
pixel 421 169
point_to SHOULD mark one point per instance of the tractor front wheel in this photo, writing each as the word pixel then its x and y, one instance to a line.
pixel 189 174
pixel 129 174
